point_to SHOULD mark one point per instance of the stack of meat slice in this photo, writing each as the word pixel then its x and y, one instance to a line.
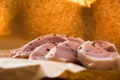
pixel 91 54
pixel 26 50
pixel 52 46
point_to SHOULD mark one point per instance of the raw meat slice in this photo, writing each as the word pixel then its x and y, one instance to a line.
pixel 40 52
pixel 66 51
pixel 93 55
pixel 25 50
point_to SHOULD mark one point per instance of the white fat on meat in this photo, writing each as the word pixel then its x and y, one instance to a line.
pixel 94 56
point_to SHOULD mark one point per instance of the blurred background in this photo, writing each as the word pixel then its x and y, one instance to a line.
pixel 24 20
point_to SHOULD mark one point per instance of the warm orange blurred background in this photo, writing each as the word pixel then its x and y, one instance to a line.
pixel 24 20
